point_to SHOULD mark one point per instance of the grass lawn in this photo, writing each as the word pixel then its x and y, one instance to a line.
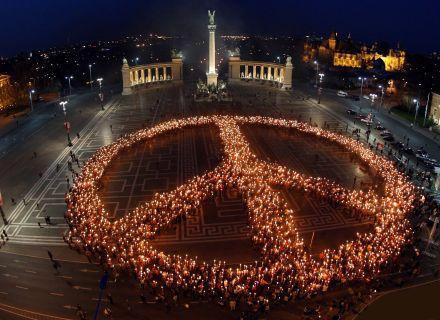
pixel 405 115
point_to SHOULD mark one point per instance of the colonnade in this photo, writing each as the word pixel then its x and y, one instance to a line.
pixel 150 73
pixel 258 70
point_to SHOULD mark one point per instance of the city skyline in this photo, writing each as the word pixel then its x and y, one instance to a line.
pixel 46 24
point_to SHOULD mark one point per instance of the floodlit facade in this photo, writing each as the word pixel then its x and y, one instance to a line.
pixel 344 53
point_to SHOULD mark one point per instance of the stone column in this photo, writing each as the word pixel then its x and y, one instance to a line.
pixel 127 78
pixel 246 71
pixel 254 71
pixel 157 74
pixel 149 74
pixel 262 72
pixel 269 72
pixel 142 75
pixel 164 73
pixel 212 74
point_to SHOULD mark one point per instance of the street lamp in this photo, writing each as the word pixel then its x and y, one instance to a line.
pixel 90 73
pixel 70 86
pixel 416 101
pixel 66 123
pixel 101 97
pixel 317 71
pixel 381 97
pixel 362 83
pixel 30 99
pixel 373 98
pixel 279 61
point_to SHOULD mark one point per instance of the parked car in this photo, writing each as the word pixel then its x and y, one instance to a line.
pixel 366 97
pixel 351 112
pixel 388 138
pixel 385 133
pixel 408 151
pixel 354 97
pixel 342 93
pixel 380 128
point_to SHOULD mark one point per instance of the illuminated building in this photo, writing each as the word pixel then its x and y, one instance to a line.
pixel 5 97
pixel 434 112
pixel 344 53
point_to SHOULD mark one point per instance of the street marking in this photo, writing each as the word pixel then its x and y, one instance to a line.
pixel 88 270
pixel 82 288
pixel 9 275
pixel 27 314
pixel 65 277
pixel 30 271
pixel 19 261
pixel 20 287
pixel 56 294
pixel 1 292
pixel 69 307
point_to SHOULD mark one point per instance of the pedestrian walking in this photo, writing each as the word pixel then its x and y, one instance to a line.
pixel 77 135
pixel 13 201
pixel 58 167
pixel 39 224
pixel 111 128
pixel 24 201
pixel 50 255
pixel 6 235
pixel 110 298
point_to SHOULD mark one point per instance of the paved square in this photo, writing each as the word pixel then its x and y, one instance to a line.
pixel 219 228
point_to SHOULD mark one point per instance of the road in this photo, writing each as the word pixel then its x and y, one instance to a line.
pixel 338 105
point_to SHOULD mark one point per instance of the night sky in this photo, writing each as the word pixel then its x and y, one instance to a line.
pixel 36 24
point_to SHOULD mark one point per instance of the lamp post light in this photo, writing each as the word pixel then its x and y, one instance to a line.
pixel 30 99
pixel 362 84
pixel 70 86
pixel 101 96
pixel 66 123
pixel 381 96
pixel 90 74
pixel 373 98
pixel 416 101
pixel 317 71
pixel 279 61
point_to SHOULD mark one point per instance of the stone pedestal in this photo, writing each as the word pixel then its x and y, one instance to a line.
pixel 126 81
pixel 211 79
pixel 287 81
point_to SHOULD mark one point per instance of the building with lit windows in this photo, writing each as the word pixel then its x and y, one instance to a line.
pixel 345 53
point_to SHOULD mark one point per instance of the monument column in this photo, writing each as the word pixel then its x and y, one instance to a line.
pixel 157 74
pixel 269 72
pixel 164 73
pixel 142 75
pixel 212 74
pixel 149 74
pixel 254 71
pixel 246 71
pixel 126 78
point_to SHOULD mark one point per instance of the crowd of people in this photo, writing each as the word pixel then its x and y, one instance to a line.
pixel 286 268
